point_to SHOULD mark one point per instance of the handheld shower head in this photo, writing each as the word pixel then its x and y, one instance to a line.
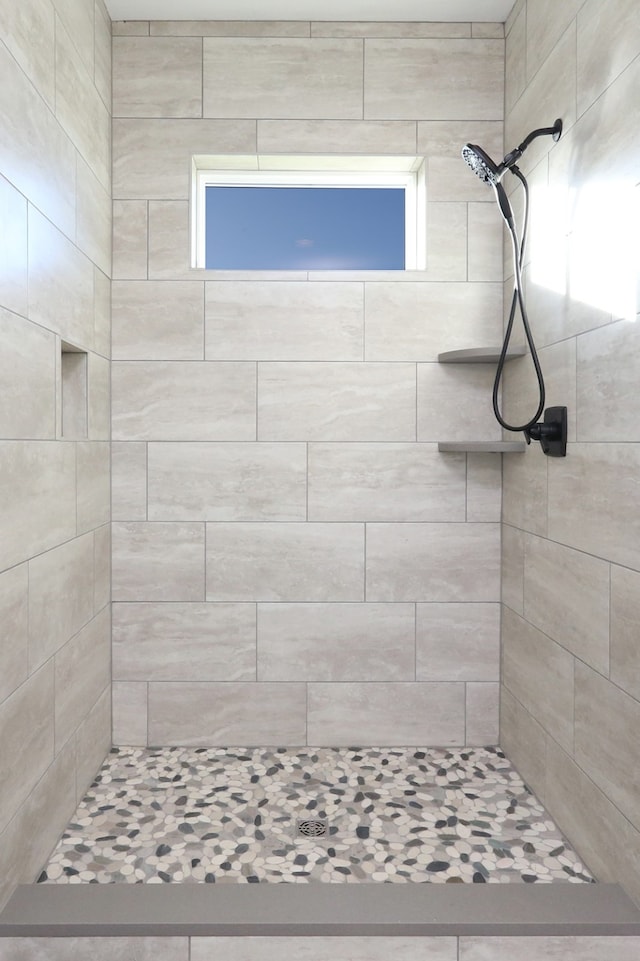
pixel 482 164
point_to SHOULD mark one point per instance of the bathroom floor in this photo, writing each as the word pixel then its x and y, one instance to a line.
pixel 236 815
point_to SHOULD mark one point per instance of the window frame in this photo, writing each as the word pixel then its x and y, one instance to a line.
pixel 313 171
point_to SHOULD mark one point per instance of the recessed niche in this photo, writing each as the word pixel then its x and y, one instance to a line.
pixel 73 373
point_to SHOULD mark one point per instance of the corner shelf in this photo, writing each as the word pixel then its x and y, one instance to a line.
pixel 483 446
pixel 479 355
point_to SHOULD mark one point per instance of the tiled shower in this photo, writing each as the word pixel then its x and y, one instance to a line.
pixel 356 586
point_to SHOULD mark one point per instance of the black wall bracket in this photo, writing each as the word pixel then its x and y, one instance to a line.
pixel 551 432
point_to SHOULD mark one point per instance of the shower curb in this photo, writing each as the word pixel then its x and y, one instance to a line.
pixel 319 910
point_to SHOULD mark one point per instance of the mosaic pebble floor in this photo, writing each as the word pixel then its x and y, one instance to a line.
pixel 231 815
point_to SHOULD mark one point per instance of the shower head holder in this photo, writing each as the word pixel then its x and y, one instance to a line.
pixel 551 432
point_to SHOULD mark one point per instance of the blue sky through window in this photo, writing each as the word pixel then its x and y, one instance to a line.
pixel 305 228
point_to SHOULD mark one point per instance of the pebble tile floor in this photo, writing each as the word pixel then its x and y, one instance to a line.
pixel 233 815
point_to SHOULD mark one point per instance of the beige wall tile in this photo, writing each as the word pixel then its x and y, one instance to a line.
pixel 14 628
pixel 184 642
pixel 80 109
pixel 227 482
pixel 482 713
pixel 37 498
pixel 100 949
pixel 625 617
pixel 60 597
pixel 60 283
pixel 484 254
pixel 546 23
pixel 458 642
pixel 607 841
pixel 210 713
pixel 183 401
pixel 416 321
pixel 36 156
pixel 399 29
pixel 93 217
pixel 318 949
pixel 170 241
pixel 28 32
pixel 447 225
pixel 157 77
pixel 566 595
pixel 549 948
pixel 606 744
pixel 454 402
pixel 102 52
pixel 158 562
pixel 102 312
pixel 13 250
pixel 488 31
pixel 137 144
pixel 515 57
pixel 524 741
pixel 285 562
pixel 524 491
pixel 484 487
pixel 300 401
pixel 130 28
pixel 128 481
pixel 98 397
pixel 393 713
pixel 93 742
pixel 26 720
pixel 336 642
pixel 385 482
pixel 82 672
pixel 433 79
pixel 78 20
pixel 281 320
pixel 512 578
pixel 28 376
pixel 337 136
pixel 130 231
pixel 94 478
pixel 448 177
pixel 102 567
pixel 539 673
pixel 590 498
pixel 129 708
pixel 282 78
pixel 36 827
pixel 157 321
pixel 598 67
pixel 229 28
pixel 433 562
pixel 608 361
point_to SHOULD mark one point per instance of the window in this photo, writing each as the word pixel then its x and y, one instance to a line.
pixel 308 213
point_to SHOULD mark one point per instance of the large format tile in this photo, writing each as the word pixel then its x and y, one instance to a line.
pixel 60 597
pixel 539 673
pixel 130 239
pixel 93 216
pixel 137 144
pixel 433 79
pixel 99 397
pixel 170 241
pixel 339 402
pixel 342 136
pixel 573 948
pixel 129 706
pixel 524 490
pixel 184 642
pixel 484 487
pixel 285 562
pixel 157 77
pixel 606 744
pixel 216 713
pixel 157 320
pixel 458 642
pixel 416 321
pixel 99 949
pixel 14 627
pixel 282 78
pixel 26 720
pixel 229 28
pixel 600 64
pixel 82 672
pixel 524 741
pixel 546 23
pixel 391 713
pixel 37 497
pixel 449 178
pixel 625 617
pixel 319 949
pixel 454 402
pixel 608 360
pixel 13 250
pixel 128 481
pixel 385 482
pixel 284 321
pixel 93 505
pixel 102 567
pixel 227 482
pixel 28 30
pixel 433 562
pixel 93 741
pixel 158 562
pixel 28 376
pixel 592 499
pixel 566 595
pixel 336 642
pixel 512 576
pixel 482 713
pixel 177 400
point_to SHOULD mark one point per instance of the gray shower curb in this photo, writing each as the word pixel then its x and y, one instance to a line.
pixel 319 910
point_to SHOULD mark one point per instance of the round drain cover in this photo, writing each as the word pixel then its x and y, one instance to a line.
pixel 312 828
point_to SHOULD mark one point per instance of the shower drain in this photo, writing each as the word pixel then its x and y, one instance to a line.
pixel 311 828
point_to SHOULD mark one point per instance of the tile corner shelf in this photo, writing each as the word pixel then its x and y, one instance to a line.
pixel 480 355
pixel 483 446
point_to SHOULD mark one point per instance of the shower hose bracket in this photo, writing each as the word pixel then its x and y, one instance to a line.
pixel 551 432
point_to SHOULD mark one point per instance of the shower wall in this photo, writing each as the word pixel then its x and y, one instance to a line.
pixel 570 700
pixel 55 261
pixel 293 560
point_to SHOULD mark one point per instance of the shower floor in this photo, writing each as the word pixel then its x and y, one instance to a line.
pixel 232 815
